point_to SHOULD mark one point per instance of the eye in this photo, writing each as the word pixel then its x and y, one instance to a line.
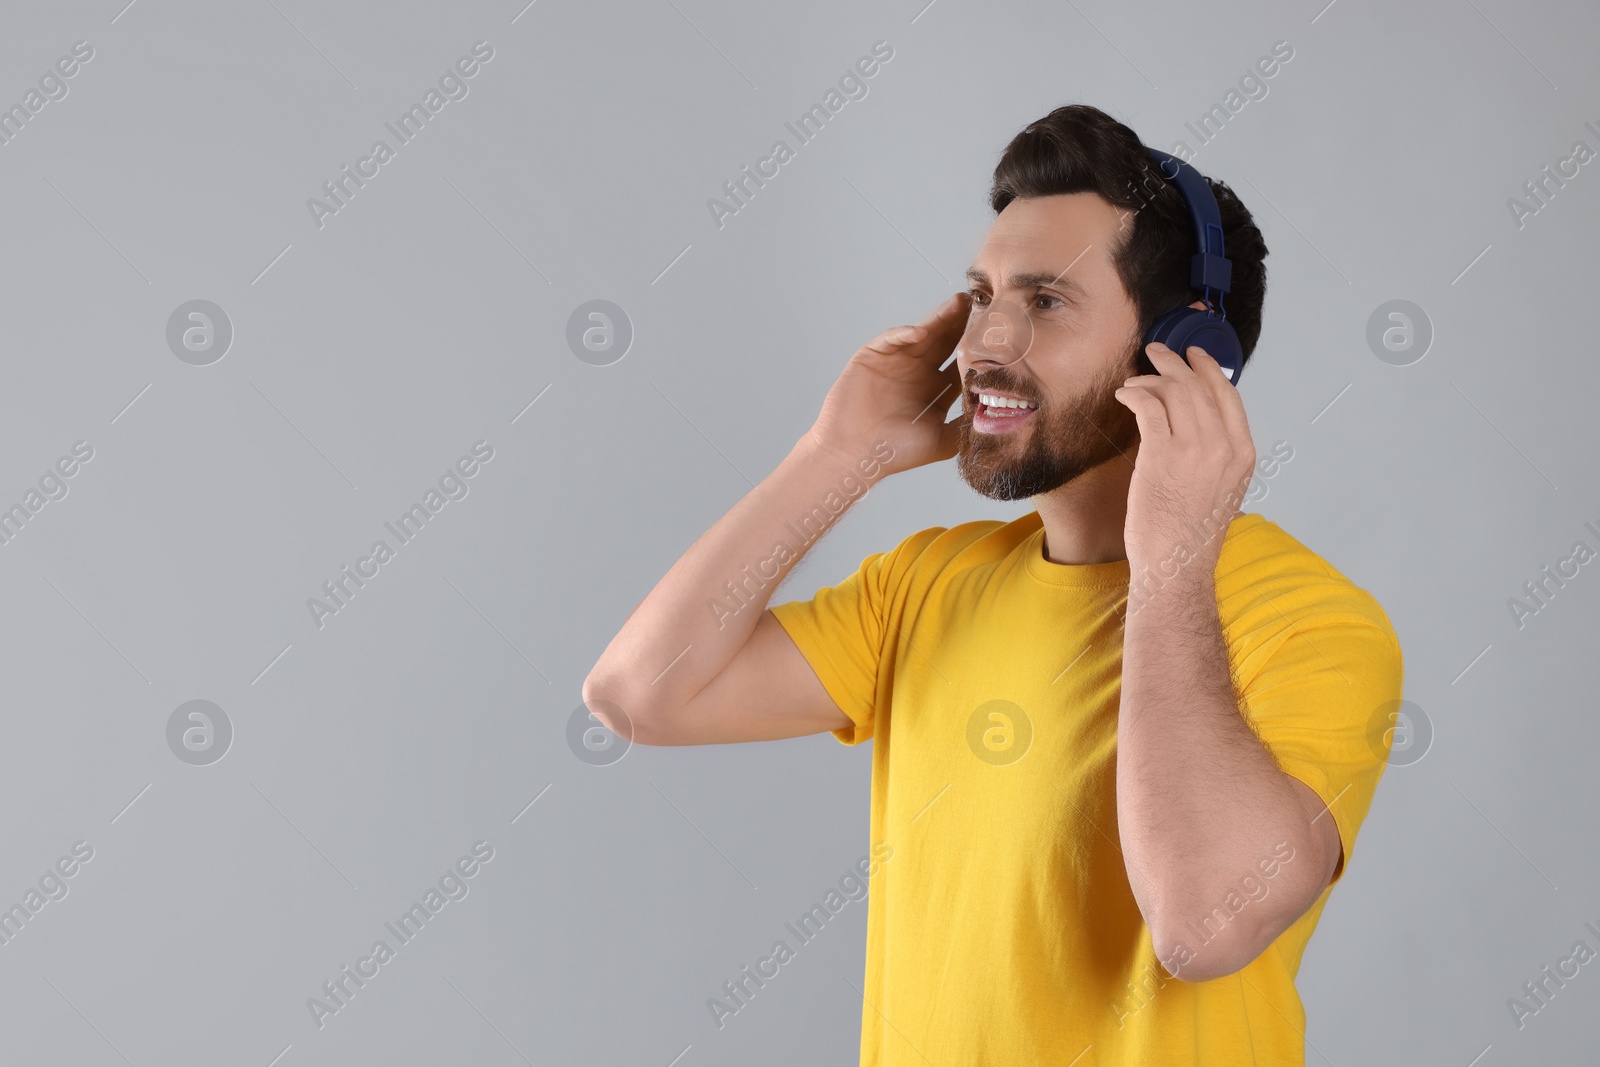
pixel 1048 296
pixel 977 297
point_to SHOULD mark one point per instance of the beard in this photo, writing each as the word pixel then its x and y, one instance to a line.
pixel 1069 436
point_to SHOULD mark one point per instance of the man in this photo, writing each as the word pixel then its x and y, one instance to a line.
pixel 1124 743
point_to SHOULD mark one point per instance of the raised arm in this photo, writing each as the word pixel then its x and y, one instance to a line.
pixel 700 660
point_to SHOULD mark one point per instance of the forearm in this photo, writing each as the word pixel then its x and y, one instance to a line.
pixel 703 610
pixel 1200 801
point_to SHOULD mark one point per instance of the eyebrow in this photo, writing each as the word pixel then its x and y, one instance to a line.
pixel 1074 292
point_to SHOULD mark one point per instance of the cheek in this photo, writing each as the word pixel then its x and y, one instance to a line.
pixel 1081 350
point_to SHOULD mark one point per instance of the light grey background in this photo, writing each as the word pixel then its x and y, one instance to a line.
pixel 369 354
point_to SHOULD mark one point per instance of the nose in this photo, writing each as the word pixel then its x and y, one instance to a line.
pixel 998 334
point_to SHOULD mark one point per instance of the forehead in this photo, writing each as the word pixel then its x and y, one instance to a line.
pixel 1070 232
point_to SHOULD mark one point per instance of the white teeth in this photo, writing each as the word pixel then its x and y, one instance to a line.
pixel 1002 402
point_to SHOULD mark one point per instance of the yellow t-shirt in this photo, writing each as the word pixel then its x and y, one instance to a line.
pixel 1001 929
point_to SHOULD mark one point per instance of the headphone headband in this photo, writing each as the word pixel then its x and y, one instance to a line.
pixel 1209 268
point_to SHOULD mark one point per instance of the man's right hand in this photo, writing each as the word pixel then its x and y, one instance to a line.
pixel 893 390
pixel 701 660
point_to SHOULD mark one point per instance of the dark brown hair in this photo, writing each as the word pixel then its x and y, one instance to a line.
pixel 1079 148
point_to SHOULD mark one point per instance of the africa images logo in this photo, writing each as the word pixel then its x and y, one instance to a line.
pixel 452 86
pixel 453 485
pixel 454 885
pixel 741 989
pixel 852 86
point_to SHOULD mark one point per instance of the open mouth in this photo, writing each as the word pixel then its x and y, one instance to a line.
pixel 992 413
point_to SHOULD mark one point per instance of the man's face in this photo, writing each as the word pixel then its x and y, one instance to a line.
pixel 1050 324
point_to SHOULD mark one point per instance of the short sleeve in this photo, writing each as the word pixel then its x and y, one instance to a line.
pixel 842 630
pixel 1322 704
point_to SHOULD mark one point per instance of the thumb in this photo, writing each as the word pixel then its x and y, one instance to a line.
pixel 950 439
pixel 950 433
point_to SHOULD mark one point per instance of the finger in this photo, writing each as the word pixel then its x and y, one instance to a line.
pixel 950 392
pixel 1174 391
pixel 1173 367
pixel 946 325
pixel 938 332
pixel 952 374
pixel 1196 395
pixel 1230 405
pixel 1149 413
pixel 956 301
pixel 1226 422
pixel 894 339
pixel 950 434
pixel 1202 394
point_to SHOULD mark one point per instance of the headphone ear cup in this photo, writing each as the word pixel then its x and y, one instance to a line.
pixel 1186 327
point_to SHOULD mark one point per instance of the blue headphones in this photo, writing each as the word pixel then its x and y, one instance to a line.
pixel 1209 269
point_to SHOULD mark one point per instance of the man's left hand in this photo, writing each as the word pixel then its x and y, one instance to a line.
pixel 1195 457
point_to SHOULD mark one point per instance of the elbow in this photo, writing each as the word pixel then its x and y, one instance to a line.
pixel 1208 965
pixel 1200 952
pixel 611 705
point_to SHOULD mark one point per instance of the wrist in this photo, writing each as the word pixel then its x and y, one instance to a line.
pixel 1177 580
pixel 866 461
pixel 1174 569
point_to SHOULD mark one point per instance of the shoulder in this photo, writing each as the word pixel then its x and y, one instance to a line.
pixel 1269 583
pixel 939 549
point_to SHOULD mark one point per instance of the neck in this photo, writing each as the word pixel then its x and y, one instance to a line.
pixel 1084 519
